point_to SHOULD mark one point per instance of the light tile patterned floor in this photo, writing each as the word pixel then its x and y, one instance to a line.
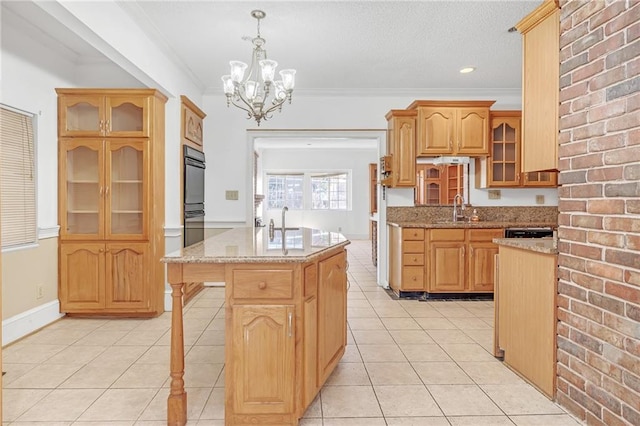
pixel 408 363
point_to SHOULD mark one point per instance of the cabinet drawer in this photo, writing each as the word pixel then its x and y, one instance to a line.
pixel 447 235
pixel 485 234
pixel 413 247
pixel 412 277
pixel 413 259
pixel 262 284
pixel 413 234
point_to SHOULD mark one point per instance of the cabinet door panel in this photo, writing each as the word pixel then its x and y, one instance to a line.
pixel 127 116
pixel 81 116
pixel 126 193
pixel 127 275
pixel 447 267
pixel 332 313
pixel 263 367
pixel 436 128
pixel 81 207
pixel 81 277
pixel 473 131
pixel 481 266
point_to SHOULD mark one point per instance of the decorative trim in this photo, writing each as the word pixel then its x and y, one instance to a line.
pixel 27 322
pixel 172 232
pixel 49 232
pixel 547 8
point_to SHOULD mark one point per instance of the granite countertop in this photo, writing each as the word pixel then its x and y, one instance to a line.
pixel 253 245
pixel 467 224
pixel 540 245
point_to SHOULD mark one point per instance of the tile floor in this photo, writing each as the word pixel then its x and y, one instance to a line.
pixel 407 363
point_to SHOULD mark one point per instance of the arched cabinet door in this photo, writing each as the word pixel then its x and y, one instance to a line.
pixel 126 276
pixel 81 276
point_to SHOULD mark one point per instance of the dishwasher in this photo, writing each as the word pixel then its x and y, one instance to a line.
pixel 528 232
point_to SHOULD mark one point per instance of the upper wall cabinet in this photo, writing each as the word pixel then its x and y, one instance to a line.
pixel 401 149
pixel 109 115
pixel 452 127
pixel 540 89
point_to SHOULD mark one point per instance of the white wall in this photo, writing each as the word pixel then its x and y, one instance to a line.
pixel 353 223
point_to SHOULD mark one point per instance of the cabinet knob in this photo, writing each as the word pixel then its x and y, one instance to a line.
pixel 262 285
pixel 100 250
pixel 414 278
pixel 415 259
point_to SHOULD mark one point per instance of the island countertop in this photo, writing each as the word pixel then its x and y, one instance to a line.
pixel 254 245
pixel 467 224
pixel 539 245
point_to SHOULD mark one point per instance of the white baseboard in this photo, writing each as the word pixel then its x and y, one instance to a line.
pixel 29 321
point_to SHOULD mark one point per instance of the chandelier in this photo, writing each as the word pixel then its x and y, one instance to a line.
pixel 250 88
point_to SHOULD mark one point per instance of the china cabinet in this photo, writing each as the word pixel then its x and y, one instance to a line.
pixel 540 90
pixel 111 201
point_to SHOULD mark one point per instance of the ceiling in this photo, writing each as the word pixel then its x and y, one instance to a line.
pixel 354 47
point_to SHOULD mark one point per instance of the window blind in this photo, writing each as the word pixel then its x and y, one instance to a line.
pixel 17 178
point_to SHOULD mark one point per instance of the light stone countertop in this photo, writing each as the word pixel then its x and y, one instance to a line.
pixel 540 245
pixel 253 245
pixel 466 224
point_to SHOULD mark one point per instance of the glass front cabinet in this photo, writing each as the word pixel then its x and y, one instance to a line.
pixel 111 158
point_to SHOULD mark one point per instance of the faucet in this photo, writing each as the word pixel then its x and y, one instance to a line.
pixel 285 209
pixel 455 206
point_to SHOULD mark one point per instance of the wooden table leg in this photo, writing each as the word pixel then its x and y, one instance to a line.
pixel 177 403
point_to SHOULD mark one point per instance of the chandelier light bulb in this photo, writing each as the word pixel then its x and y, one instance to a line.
pixel 251 87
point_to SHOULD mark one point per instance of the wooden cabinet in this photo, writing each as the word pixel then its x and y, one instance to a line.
pixel 111 201
pixel 263 384
pixel 104 114
pixel 540 89
pixel 373 188
pixel 452 127
pixel 503 168
pixel 407 267
pixel 286 332
pixel 526 314
pixel 438 184
pixel 192 123
pixel 462 260
pixel 401 149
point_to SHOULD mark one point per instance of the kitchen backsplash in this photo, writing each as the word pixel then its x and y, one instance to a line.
pixel 486 214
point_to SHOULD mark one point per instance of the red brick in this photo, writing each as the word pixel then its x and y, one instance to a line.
pixel 586 341
pixel 633 32
pixel 631 381
pixel 606 206
pixel 571 406
pixel 585 401
pixel 607 78
pixel 563 164
pixel 633 102
pixel 632 172
pixel 625 292
pixel 562 329
pixel 604 366
pixel 574 91
pixel 564 137
pixel 633 347
pixel 572 320
pixel 562 385
pixel 624 122
pixel 588 281
pixel 632 277
pixel 604 174
pixel 631 415
pixel 572 205
pixel 572 149
pixel 623 156
pixel 611 419
pixel 565 109
pixel 573 120
pixel 626 327
pixel 586 221
pixel 564 274
pixel 608 304
pixel 604 398
pixel 572 291
pixel 606 239
pixel 623 224
pixel 571 262
pixel 609 44
pixel 573 176
pixel 622 20
pixel 585 251
pixel 633 137
pixel 576 351
pixel 564 219
pixel 586 161
pixel 633 312
pixel 589 131
pixel 606 334
pixel 569 376
pixel 572 34
pixel 622 392
pixel 633 242
pixel 572 234
pixel 624 258
pixel 608 110
pixel 587 311
pixel 604 270
pixel 606 142
pixel 589 101
pixel 593 190
pixel 610 12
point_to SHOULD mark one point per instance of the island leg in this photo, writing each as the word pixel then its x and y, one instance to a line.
pixel 177 402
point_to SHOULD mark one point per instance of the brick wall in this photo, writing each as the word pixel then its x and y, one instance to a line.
pixel 599 205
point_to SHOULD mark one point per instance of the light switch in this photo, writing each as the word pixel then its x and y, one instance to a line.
pixel 231 195
pixel 539 199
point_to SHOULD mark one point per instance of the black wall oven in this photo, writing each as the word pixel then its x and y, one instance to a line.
pixel 194 167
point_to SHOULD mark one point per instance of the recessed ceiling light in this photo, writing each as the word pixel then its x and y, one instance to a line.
pixel 467 70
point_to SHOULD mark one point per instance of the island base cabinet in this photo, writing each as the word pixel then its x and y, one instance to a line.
pixel 260 383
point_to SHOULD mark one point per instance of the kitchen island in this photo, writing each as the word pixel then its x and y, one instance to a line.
pixel 285 318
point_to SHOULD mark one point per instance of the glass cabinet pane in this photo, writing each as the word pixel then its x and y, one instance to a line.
pixel 127 117
pixel 83 191
pixel 126 197
pixel 83 116
pixel 433 193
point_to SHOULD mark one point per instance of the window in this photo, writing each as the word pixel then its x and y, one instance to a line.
pixel 329 191
pixel 17 178
pixel 285 190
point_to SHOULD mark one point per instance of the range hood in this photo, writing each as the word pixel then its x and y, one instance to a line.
pixel 450 160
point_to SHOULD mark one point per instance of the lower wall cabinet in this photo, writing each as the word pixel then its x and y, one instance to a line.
pixel 442 260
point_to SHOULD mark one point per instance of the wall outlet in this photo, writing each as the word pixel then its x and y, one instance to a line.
pixel 231 195
pixel 539 199
pixel 339 228
pixel 494 194
pixel 39 291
